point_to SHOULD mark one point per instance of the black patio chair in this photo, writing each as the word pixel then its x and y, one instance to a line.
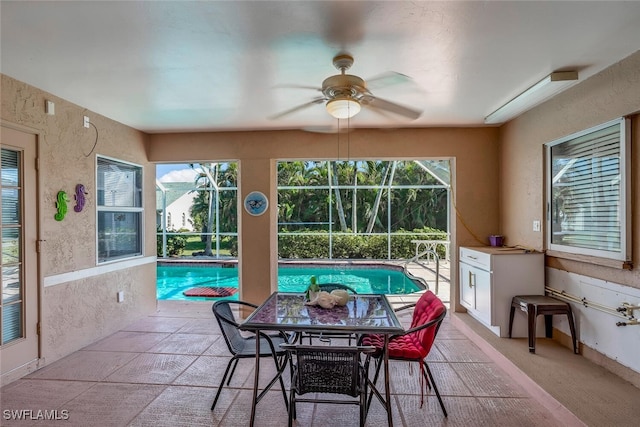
pixel 329 370
pixel 244 347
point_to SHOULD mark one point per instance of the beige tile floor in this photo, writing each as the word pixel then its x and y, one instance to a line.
pixel 164 371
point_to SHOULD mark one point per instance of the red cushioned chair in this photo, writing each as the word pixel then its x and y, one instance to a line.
pixel 415 343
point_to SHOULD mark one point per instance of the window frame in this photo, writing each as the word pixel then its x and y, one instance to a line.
pixel 138 210
pixel 624 208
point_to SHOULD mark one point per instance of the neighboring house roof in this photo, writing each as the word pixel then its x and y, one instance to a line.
pixel 174 190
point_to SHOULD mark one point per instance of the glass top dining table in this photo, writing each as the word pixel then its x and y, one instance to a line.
pixel 363 314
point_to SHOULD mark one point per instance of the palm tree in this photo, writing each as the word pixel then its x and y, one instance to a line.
pixel 206 181
pixel 339 207
pixel 376 205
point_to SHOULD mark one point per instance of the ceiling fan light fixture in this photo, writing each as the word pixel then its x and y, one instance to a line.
pixel 343 108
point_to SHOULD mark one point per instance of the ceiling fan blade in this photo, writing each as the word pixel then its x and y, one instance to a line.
pixel 314 101
pixel 288 86
pixel 326 129
pixel 379 103
pixel 390 78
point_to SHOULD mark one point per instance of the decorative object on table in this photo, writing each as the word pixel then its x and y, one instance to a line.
pixel 341 296
pixel 496 240
pixel 80 198
pixel 61 205
pixel 312 290
pixel 326 336
pixel 256 203
pixel 332 295
pixel 324 299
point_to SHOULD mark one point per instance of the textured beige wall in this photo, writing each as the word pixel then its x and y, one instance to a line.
pixel 474 151
pixel 613 93
pixel 79 312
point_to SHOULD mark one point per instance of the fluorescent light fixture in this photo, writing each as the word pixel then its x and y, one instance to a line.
pixel 343 108
pixel 536 94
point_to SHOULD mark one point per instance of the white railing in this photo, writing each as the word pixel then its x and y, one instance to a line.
pixel 431 254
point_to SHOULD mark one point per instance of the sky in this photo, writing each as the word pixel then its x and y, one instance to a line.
pixel 175 172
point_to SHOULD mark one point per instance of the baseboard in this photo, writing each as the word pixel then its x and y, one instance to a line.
pixel 21 371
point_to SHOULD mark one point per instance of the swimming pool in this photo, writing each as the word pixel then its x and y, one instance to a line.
pixel 173 280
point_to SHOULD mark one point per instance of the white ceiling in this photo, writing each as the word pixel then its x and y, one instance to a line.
pixel 162 66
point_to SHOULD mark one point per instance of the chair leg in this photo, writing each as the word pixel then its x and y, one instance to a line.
pixel 233 370
pixel 281 369
pixel 292 403
pixel 224 377
pixel 426 378
pixel 511 313
pixel 532 314
pixel 435 388
pixel 363 398
pixel 375 380
pixel 572 327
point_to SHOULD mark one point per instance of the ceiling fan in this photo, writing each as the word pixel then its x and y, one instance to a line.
pixel 344 94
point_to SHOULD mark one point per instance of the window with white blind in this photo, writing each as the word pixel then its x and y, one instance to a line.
pixel 588 186
pixel 120 212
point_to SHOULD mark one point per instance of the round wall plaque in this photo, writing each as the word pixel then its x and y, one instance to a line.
pixel 256 203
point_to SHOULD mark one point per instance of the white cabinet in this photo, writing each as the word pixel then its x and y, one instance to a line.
pixel 491 276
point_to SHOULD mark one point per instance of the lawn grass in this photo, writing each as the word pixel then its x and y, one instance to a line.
pixel 195 244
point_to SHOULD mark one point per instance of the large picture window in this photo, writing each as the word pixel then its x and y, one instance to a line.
pixel 362 208
pixel 588 192
pixel 120 212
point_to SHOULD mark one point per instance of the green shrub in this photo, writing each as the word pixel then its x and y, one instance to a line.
pixel 352 246
pixel 175 243
pixel 303 246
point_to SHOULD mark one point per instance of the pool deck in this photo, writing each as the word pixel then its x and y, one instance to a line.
pixel 426 270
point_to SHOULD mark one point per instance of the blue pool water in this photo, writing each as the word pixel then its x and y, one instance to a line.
pixel 173 280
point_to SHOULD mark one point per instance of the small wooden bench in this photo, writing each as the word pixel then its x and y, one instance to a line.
pixel 535 305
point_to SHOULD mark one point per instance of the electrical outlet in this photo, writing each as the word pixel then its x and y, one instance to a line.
pixel 50 108
pixel 85 122
pixel 536 225
pixel 120 296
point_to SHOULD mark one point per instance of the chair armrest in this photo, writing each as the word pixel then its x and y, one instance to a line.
pixel 404 307
pixel 267 338
pixel 418 328
pixel 425 325
pixel 248 304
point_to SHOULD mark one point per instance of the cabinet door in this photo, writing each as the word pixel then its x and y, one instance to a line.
pixel 467 291
pixel 482 285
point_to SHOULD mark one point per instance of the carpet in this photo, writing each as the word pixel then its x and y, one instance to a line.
pixel 210 291
pixel 600 398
